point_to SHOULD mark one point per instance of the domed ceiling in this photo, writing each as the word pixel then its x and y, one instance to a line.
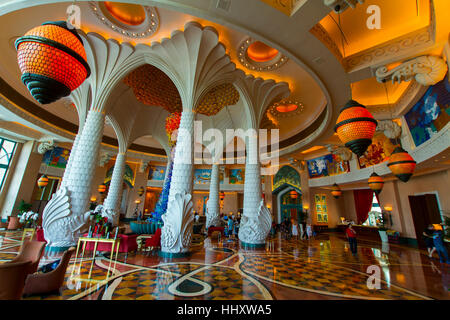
pixel 260 40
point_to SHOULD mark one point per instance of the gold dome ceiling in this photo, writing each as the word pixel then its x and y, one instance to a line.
pixel 131 14
pixel 153 87
pixel 261 52
pixel 218 98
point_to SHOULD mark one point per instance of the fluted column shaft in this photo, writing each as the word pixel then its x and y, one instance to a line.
pixel 70 161
pixel 183 164
pixel 115 186
pixel 176 234
pixel 252 184
pixel 79 179
pixel 213 206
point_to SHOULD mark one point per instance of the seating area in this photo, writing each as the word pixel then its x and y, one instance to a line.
pixel 44 283
pixel 127 244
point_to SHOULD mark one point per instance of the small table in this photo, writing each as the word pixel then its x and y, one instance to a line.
pixel 115 244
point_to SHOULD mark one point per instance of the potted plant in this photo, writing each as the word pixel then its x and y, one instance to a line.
pixel 24 207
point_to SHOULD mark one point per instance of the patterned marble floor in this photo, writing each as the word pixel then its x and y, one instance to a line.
pixel 322 268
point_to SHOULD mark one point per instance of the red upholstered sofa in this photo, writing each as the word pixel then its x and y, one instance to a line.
pixel 40 235
pixel 127 244
pixel 212 229
pixel 155 240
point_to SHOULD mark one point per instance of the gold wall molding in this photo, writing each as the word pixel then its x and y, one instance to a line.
pixel 400 47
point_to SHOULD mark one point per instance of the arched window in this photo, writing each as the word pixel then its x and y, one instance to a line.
pixel 7 149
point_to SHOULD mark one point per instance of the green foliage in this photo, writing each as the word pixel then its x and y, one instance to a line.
pixel 447 226
pixel 24 206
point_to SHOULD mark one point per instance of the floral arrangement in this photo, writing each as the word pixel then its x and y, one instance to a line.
pixel 101 224
pixel 29 219
pixel 172 124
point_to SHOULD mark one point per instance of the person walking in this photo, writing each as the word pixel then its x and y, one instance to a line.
pixel 309 231
pixel 438 239
pixel 428 238
pixel 351 236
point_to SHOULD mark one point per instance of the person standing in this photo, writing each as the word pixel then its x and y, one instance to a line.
pixel 230 226
pixel 294 229
pixel 273 229
pixel 428 238
pixel 351 236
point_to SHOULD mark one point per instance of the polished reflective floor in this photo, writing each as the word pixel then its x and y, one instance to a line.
pixel 321 268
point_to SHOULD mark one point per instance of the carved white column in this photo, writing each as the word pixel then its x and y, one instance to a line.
pixel 256 220
pixel 176 234
pixel 65 214
pixel 213 206
pixel 183 169
pixel 115 187
pixel 70 161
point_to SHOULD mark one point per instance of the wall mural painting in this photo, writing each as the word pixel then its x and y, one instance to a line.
pixel 379 151
pixel 236 176
pixel 431 113
pixel 321 208
pixel 328 165
pixel 203 176
pixel 128 175
pixel 156 173
pixel 57 157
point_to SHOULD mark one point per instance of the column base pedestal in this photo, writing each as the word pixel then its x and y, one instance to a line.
pixel 246 245
pixel 50 250
pixel 172 255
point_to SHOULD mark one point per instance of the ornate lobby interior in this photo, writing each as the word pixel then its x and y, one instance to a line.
pixel 220 150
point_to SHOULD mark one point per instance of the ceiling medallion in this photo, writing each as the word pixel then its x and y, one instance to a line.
pixel 284 109
pixel 257 56
pixel 122 18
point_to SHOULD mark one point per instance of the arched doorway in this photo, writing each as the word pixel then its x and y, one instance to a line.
pixel 290 204
pixel 288 194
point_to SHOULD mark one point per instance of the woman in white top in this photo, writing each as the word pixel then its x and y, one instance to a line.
pixel 294 229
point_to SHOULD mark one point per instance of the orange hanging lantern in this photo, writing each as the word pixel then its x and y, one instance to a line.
pixel 141 191
pixel 222 196
pixel 401 164
pixel 376 183
pixel 355 127
pixel 101 188
pixel 336 191
pixel 42 181
pixel 293 194
pixel 52 60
